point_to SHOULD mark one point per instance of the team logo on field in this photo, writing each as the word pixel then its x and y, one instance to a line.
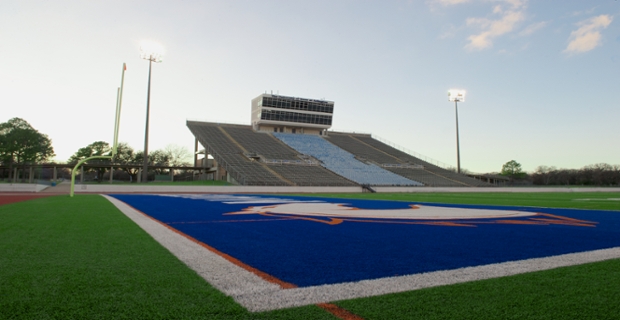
pixel 336 213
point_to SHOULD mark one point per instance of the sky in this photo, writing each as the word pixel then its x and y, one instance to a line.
pixel 541 77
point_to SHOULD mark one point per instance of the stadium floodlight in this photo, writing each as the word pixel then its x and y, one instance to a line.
pixel 457 96
pixel 153 52
pixel 150 50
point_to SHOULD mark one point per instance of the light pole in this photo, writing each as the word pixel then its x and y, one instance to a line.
pixel 456 96
pixel 153 52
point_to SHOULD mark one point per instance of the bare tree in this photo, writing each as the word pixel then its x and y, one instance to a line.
pixel 178 156
pixel 126 155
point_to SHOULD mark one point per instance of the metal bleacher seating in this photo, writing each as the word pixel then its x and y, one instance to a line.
pixel 230 145
pixel 260 143
pixel 361 150
pixel 441 174
pixel 342 162
pixel 340 159
pixel 284 160
pixel 310 175
pixel 230 156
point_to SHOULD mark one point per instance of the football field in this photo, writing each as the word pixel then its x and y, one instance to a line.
pixel 292 257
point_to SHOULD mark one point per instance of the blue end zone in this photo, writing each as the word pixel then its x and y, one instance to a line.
pixel 307 253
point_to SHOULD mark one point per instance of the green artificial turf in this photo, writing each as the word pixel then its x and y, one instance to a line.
pixel 577 200
pixel 81 258
pixel 590 291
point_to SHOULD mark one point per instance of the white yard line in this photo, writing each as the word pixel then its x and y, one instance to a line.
pixel 257 294
pixel 220 273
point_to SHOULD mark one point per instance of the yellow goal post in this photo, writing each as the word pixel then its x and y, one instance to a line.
pixel 117 123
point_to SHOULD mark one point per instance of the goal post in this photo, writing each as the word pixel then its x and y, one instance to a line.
pixel 117 121
pixel 119 102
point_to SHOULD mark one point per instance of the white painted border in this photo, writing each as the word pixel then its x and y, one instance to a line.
pixel 223 275
pixel 256 294
pixel 367 288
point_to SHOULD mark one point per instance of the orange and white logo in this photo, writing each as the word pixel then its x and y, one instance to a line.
pixel 336 213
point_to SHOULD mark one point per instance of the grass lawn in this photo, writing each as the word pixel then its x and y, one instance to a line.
pixel 81 258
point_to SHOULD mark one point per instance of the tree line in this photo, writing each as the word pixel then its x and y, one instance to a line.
pixel 170 156
pixel 600 174
pixel 21 145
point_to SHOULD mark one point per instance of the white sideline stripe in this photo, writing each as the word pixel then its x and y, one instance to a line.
pixel 256 294
pixel 223 275
pixel 367 288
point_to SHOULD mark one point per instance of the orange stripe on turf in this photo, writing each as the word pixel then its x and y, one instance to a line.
pixel 235 261
pixel 339 312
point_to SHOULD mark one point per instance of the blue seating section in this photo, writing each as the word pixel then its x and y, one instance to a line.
pixel 343 162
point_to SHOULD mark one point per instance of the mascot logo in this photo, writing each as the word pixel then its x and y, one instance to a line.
pixel 337 213
pixel 329 213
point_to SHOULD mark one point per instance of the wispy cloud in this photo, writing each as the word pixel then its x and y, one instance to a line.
pixel 448 2
pixel 510 12
pixel 435 5
pixel 450 32
pixel 588 35
pixel 533 28
pixel 584 12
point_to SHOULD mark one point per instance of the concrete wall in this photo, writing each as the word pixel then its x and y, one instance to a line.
pixel 103 188
pixel 22 187
pixel 90 188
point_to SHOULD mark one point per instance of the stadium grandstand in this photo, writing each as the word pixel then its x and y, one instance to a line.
pixel 288 144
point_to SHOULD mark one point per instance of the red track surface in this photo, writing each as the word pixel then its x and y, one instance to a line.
pixel 6 198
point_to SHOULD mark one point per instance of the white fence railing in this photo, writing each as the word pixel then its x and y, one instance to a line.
pixel 292 162
pixel 413 153
pixel 404 166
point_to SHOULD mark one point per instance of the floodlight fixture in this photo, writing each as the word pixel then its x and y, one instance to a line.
pixel 153 52
pixel 457 95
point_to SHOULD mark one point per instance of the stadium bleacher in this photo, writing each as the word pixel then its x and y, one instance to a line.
pixel 358 148
pixel 231 157
pixel 339 159
pixel 457 179
pixel 229 144
pixel 260 143
pixel 342 162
